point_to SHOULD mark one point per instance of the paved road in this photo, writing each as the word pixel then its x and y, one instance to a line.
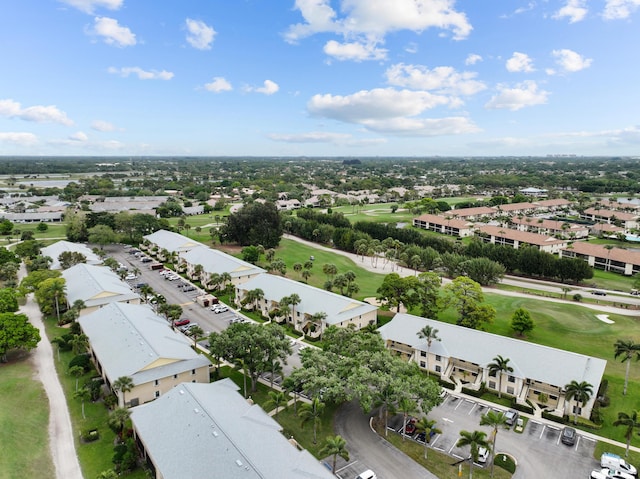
pixel 368 451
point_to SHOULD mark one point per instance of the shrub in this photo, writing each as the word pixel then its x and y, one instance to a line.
pixel 521 407
pixel 90 434
pixel 82 360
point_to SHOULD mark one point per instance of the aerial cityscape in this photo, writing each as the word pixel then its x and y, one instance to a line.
pixel 359 239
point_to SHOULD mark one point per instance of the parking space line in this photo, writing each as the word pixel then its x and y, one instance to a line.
pixel 472 408
pixel 585 438
pixel 348 465
pixel 544 426
pixel 458 405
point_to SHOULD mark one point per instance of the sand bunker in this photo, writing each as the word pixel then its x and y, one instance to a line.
pixel 604 318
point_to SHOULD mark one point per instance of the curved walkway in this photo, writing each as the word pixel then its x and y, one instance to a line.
pixel 61 437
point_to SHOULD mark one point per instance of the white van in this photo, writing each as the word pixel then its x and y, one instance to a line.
pixel 368 474
pixel 613 461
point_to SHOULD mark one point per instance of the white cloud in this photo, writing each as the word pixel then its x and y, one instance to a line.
pixel 18 138
pixel 574 10
pixel 79 136
pixel 38 113
pixel 620 9
pixel 522 95
pixel 354 51
pixel 441 79
pixel 472 59
pixel 88 6
pixel 342 139
pixel 423 126
pixel 200 34
pixel 218 84
pixel 113 33
pixel 141 74
pixel 380 103
pixel 100 125
pixel 520 62
pixel 269 88
pixel 375 18
pixel 570 61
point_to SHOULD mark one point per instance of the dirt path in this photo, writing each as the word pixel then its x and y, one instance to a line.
pixel 61 443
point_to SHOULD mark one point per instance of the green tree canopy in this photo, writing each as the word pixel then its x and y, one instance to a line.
pixel 254 224
pixel 16 332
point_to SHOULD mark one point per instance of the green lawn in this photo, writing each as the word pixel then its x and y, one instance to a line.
pixel 24 421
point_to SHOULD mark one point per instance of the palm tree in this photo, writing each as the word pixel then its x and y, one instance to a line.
pixel 475 440
pixel 83 394
pixel 407 406
pixel 79 343
pixel 335 446
pixel 76 371
pixel 123 384
pixel 196 333
pixel 430 334
pixel 252 297
pixel 495 420
pixel 312 412
pixel 294 300
pixel 277 399
pixel 118 420
pixel 426 425
pixel 581 392
pixel 226 279
pixel 318 319
pixel 627 349
pixel 631 424
pixel 497 367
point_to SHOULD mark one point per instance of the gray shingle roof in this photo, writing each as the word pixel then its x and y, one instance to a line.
pixel 95 285
pixel 172 242
pixel 128 339
pixel 54 250
pixel 209 430
pixel 312 300
pixel 214 261
pixel 529 360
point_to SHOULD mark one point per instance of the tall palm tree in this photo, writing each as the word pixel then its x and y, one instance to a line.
pixel 123 384
pixel 430 334
pixel 79 343
pixel 627 349
pixel 631 424
pixel 499 366
pixel 294 300
pixel 335 446
pixel 407 406
pixel 226 279
pixel 475 440
pixel 318 319
pixel 277 399
pixel 496 420
pixel 580 392
pixel 426 425
pixel 118 420
pixel 83 394
pixel 312 412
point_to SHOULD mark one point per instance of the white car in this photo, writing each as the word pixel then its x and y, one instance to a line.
pixel 220 308
pixel 610 474
pixel 483 455
pixel 613 461
pixel 130 277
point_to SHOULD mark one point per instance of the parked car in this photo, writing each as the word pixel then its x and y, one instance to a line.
pixel 181 322
pixel 421 437
pixel 189 288
pixel 130 277
pixel 220 308
pixel 483 455
pixel 140 285
pixel 410 427
pixel 568 436
pixel 185 329
pixel 511 417
pixel 368 474
pixel 146 260
pixel 613 461
pixel 610 474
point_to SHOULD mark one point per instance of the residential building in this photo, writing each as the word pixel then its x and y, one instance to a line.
pixel 516 239
pixel 618 260
pixel 606 229
pixel 96 286
pixel 445 225
pixel 514 209
pixel 552 204
pixel 54 251
pixel 559 229
pixel 628 221
pixel 167 243
pixel 201 262
pixel 340 310
pixel 472 214
pixel 463 355
pixel 130 340
pixel 210 430
pixel 33 217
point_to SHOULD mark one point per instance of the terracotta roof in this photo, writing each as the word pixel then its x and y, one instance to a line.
pixel 615 254
pixel 621 215
pixel 478 211
pixel 521 236
pixel 441 220
pixel 515 207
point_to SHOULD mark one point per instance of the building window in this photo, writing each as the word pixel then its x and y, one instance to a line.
pixel 175 376
pixel 423 364
pixel 512 379
pixel 492 384
pixel 510 390
pixel 157 394
pixel 438 357
pixel 492 374
pixel 438 369
pixel 193 371
pixel 423 354
pixel 156 382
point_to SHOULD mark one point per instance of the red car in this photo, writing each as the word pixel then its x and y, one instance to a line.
pixel 410 427
pixel 181 322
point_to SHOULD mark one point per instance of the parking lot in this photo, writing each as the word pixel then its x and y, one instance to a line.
pixel 537 449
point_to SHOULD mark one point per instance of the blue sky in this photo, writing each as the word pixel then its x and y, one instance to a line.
pixel 320 77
